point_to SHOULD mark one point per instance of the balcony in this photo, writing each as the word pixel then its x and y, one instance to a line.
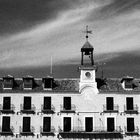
pixel 7 132
pixel 71 109
pixel 113 109
pixel 47 132
pixel 27 111
pixel 132 110
pixel 134 131
pixel 47 110
pixel 96 132
pixel 10 110
pixel 29 132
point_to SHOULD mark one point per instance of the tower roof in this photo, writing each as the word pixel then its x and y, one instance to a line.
pixel 87 46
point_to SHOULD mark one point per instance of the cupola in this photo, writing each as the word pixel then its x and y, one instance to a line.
pixel 87 68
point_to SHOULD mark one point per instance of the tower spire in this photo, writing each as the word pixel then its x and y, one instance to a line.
pixel 87 32
pixel 87 48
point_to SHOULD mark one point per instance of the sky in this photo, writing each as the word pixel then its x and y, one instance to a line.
pixel 34 31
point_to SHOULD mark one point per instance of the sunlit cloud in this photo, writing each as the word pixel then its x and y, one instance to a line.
pixel 62 37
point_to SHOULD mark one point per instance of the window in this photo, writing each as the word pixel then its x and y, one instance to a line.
pixel 130 124
pixel 88 124
pixel 128 84
pixel 129 103
pixel 46 124
pixel 109 103
pixel 28 83
pixel 27 103
pixel 26 124
pixel 110 124
pixel 67 103
pixel 6 124
pixel 6 103
pixel 47 103
pixel 67 124
pixel 48 83
pixel 8 82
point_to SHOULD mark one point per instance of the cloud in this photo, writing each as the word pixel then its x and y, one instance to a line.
pixel 41 29
pixel 18 15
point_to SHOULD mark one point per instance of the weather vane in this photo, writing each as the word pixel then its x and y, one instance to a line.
pixel 87 32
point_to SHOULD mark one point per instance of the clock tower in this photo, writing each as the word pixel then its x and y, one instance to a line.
pixel 87 68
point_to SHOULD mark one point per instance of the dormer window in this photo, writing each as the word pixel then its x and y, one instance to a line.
pixel 127 83
pixel 28 82
pixel 8 82
pixel 48 83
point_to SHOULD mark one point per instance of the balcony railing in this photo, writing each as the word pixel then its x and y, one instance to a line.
pixel 9 131
pixel 47 110
pixel 44 131
pixel 28 111
pixel 95 130
pixel 115 108
pixel 131 131
pixel 133 110
pixel 72 109
pixel 7 110
pixel 27 132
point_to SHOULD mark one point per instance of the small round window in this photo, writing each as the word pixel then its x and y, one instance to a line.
pixel 88 74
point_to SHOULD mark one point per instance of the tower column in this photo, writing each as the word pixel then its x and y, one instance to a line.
pixel 92 61
pixel 82 58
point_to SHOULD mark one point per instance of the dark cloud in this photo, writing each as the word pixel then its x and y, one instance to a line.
pixel 114 8
pixel 16 15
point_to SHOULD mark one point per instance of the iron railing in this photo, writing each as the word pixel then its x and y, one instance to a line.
pixel 24 110
pixel 133 109
pixel 135 130
pixel 42 130
pixel 78 129
pixel 6 110
pixel 52 108
pixel 72 108
pixel 10 130
pixel 114 108
pixel 32 130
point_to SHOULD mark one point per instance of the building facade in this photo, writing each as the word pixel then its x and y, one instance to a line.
pixel 85 108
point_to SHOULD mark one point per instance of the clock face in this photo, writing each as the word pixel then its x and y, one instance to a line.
pixel 88 75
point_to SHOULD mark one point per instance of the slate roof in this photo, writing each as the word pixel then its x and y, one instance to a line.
pixel 87 45
pixel 72 85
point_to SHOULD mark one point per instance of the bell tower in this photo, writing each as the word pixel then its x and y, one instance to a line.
pixel 87 68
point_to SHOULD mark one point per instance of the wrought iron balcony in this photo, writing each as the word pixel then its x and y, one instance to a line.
pixel 133 110
pixel 114 108
pixel 71 109
pixel 26 132
pixel 27 111
pixel 47 110
pixel 131 131
pixel 7 110
pixel 7 131
pixel 50 131
pixel 95 130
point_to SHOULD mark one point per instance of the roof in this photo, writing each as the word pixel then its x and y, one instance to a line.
pixel 87 45
pixel 110 85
